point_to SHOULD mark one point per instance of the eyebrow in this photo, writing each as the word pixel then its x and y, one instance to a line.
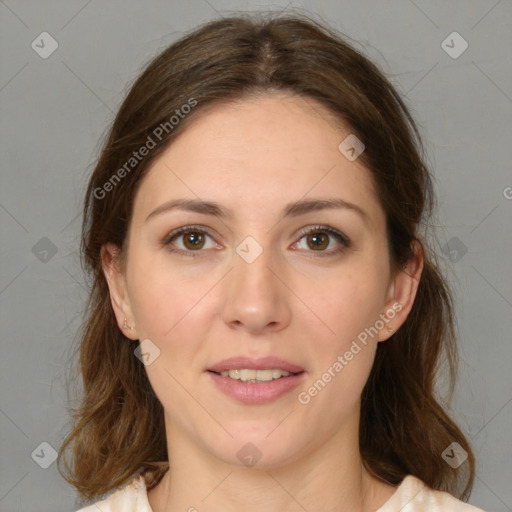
pixel 294 209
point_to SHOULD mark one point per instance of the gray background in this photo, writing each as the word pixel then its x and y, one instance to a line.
pixel 53 112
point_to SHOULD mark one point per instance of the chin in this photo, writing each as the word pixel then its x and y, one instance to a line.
pixel 257 450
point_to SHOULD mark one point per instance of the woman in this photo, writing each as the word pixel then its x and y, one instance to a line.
pixel 265 312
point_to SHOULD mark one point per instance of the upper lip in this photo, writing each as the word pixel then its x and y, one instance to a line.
pixel 263 363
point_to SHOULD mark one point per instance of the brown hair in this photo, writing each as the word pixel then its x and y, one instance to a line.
pixel 118 430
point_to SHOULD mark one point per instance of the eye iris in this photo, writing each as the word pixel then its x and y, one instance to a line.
pixel 193 240
pixel 319 241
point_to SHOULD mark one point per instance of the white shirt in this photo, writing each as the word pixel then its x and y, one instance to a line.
pixel 412 495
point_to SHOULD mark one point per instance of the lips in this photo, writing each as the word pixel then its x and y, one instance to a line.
pixel 260 393
pixel 264 363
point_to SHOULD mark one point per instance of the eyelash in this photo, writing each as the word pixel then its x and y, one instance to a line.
pixel 340 237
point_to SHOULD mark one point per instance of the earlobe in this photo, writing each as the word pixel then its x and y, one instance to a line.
pixel 115 277
pixel 403 289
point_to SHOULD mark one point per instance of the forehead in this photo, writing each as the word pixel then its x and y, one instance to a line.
pixel 255 155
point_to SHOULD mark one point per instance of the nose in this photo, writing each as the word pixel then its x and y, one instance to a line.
pixel 256 300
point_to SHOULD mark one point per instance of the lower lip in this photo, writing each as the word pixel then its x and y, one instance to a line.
pixel 257 393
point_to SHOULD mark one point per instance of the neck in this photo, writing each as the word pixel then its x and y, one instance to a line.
pixel 320 480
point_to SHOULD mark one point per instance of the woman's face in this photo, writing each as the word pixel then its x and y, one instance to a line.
pixel 270 264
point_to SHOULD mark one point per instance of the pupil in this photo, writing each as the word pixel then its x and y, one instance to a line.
pixel 194 239
pixel 319 240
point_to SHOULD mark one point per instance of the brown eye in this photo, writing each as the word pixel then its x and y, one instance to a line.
pixel 189 240
pixel 317 241
pixel 324 240
pixel 193 240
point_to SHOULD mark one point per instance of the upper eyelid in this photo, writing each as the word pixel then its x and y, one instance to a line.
pixel 185 229
pixel 328 229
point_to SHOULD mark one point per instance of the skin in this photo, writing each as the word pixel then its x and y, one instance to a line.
pixel 254 157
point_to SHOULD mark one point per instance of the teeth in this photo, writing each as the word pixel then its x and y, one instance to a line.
pixel 254 376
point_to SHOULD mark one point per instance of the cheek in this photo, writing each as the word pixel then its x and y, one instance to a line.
pixel 162 299
pixel 344 357
pixel 347 303
pixel 174 312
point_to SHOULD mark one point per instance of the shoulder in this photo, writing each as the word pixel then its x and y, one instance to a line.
pixel 412 495
pixel 131 498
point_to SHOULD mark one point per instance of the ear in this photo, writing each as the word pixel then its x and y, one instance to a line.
pixel 119 298
pixel 402 292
